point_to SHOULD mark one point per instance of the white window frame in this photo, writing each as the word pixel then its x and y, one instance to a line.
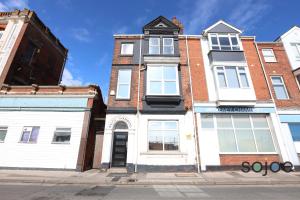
pixel 122 49
pixel 3 128
pixel 229 35
pixel 297 45
pixel 269 59
pixel 123 83
pixel 60 131
pixel 162 89
pixel 163 138
pixel 280 84
pixel 237 68
pixel 1 34
pixel 151 38
pixel 172 45
pixel 28 141
pixel 215 127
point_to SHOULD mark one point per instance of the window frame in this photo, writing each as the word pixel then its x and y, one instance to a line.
pixel 28 141
pixel 126 43
pixel 129 85
pixel 163 81
pixel 151 38
pixel 252 128
pixel 1 33
pixel 163 137
pixel 166 38
pixel 297 46
pixel 227 35
pixel 238 73
pixel 291 131
pixel 274 56
pixel 55 131
pixel 4 128
pixel 280 84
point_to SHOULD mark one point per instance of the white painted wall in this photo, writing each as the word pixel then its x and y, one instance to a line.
pixel 139 153
pixel 8 40
pixel 43 154
pixel 292 36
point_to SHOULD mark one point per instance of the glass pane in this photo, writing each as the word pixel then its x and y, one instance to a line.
pixel 295 51
pixel 241 121
pixel 155 140
pixel 235 48
pixel 168 49
pixel 168 41
pixel 295 131
pixel 226 48
pixel 170 73
pixel 214 40
pixel 155 87
pixel 170 88
pixel 207 121
pixel 155 125
pixel 154 50
pixel 171 140
pixel 62 138
pixel 244 80
pixel 2 135
pixel 124 76
pixel 127 49
pixel 259 121
pixel 25 135
pixel 170 125
pixel 34 134
pixel 234 41
pixel 224 41
pixel 267 52
pixel 232 77
pixel 264 141
pixel 245 140
pixel 215 48
pixel 280 92
pixel 222 80
pixel 224 121
pixel 276 80
pixel 154 41
pixel 155 73
pixel 123 91
pixel 227 141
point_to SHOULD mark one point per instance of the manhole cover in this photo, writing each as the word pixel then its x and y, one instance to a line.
pixel 96 191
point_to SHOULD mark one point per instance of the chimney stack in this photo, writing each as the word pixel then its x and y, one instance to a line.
pixel 179 24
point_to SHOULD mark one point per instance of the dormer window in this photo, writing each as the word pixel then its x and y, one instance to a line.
pixel 168 46
pixel 224 42
pixel 154 46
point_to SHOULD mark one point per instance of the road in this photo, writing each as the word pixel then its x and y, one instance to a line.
pixel 87 192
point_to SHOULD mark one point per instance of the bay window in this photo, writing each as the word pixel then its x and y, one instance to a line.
pixel 163 135
pixel 232 77
pixel 162 80
pixel 226 42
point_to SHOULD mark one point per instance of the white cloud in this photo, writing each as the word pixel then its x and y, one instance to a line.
pixel 10 5
pixel 248 13
pixel 69 80
pixel 81 34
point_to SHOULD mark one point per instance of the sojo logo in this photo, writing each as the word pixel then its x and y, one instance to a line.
pixel 273 167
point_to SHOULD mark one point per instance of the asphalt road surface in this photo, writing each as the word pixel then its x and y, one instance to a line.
pixel 153 192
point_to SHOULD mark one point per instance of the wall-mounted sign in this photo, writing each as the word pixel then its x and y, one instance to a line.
pixel 233 109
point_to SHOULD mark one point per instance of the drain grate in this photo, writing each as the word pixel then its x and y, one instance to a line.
pixel 96 191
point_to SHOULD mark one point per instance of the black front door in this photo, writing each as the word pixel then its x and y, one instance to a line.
pixel 119 149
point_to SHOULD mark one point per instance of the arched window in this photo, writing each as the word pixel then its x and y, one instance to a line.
pixel 121 125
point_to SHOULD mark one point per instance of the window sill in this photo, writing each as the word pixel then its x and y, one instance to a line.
pixel 163 98
pixel 122 99
pixel 60 143
pixel 163 153
pixel 126 55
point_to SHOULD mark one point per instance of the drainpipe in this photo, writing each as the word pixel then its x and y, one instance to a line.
pixel 138 106
pixel 193 110
pixel 272 96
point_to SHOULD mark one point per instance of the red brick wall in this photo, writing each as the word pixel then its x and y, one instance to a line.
pixel 117 57
pixel 281 68
pixel 259 82
pixel 233 159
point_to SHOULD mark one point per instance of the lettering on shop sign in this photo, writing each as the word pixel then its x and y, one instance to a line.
pixel 273 167
pixel 235 109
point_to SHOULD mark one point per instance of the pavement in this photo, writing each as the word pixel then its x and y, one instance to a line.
pixel 119 177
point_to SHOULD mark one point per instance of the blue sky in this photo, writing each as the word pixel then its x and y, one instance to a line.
pixel 86 27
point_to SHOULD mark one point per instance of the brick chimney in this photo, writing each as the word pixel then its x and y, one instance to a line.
pixel 179 24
